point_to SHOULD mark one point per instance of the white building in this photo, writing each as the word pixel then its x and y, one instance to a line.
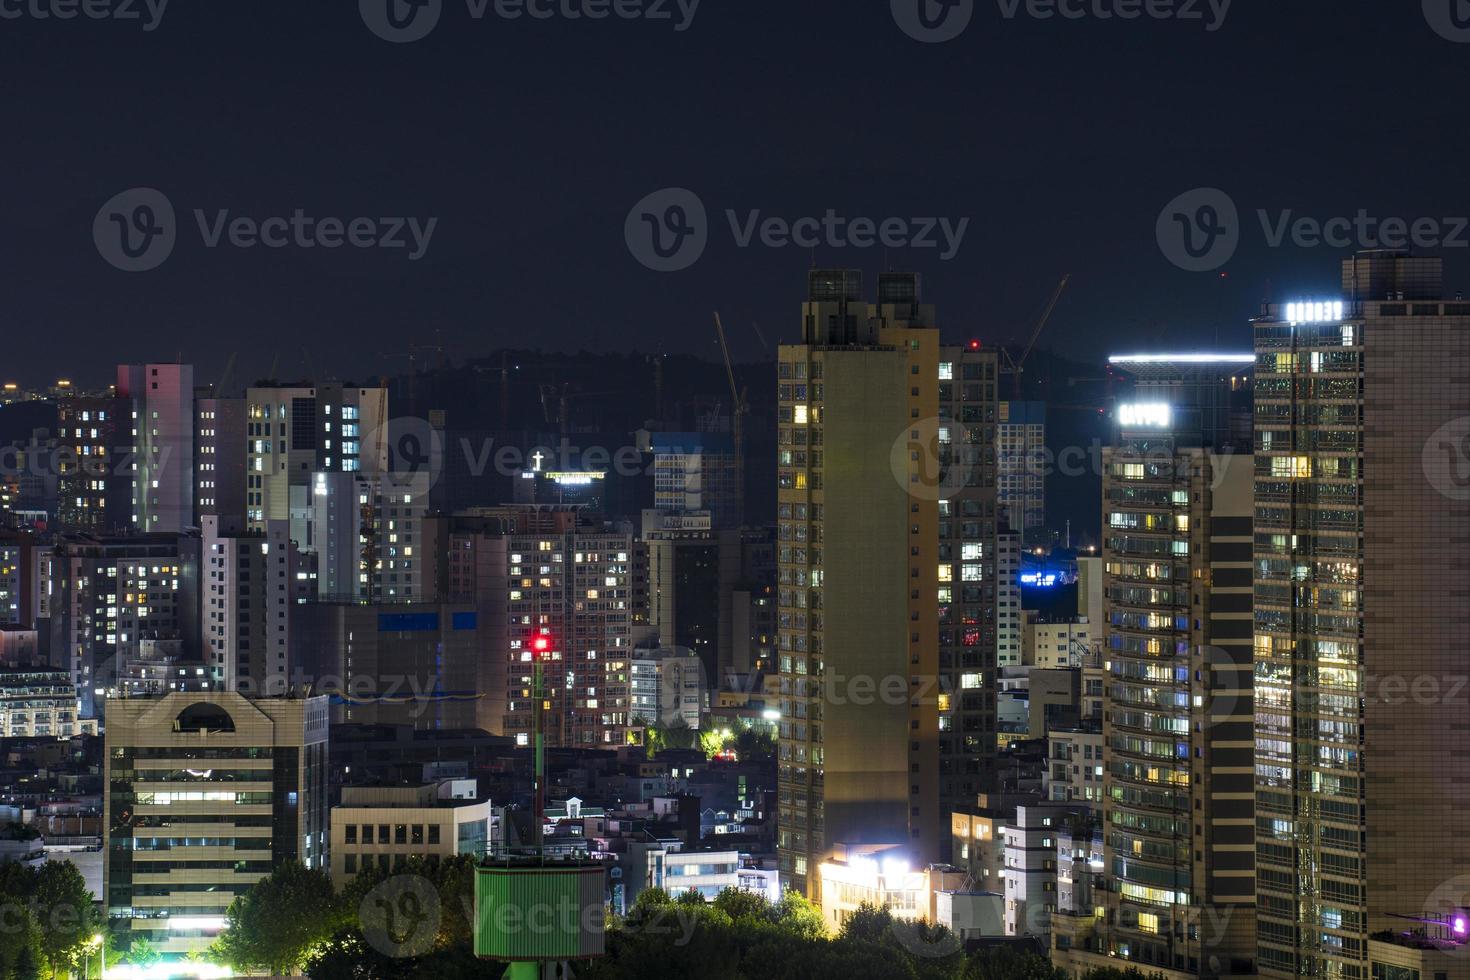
pixel 667 687
pixel 248 585
pixel 881 875
pixel 1031 868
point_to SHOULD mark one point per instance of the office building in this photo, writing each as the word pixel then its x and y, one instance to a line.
pixel 162 443
pixel 205 794
pixel 885 448
pixel 382 827
pixel 1021 464
pixel 424 665
pixel 1361 509
pixel 1178 726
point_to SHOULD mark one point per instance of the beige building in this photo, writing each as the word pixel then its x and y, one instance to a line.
pixel 383 826
pixel 886 557
pixel 206 793
pixel 1064 644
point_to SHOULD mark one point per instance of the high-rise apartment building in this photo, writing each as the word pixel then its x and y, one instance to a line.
pixel 580 587
pixel 248 583
pixel 1021 462
pixel 162 440
pixel 123 611
pixel 295 431
pixel 219 456
pixel 94 458
pixel 205 793
pixel 370 537
pixel 695 473
pixel 1361 519
pixel 887 566
pixel 1178 752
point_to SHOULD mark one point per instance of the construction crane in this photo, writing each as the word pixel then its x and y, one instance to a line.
pixel 739 411
pixel 412 354
pixel 1018 367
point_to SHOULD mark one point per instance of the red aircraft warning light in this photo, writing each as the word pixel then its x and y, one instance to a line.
pixel 541 644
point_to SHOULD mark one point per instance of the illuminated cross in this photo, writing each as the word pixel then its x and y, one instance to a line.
pixel 536 458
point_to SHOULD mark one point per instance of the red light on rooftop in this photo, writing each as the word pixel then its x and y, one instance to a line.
pixel 974 345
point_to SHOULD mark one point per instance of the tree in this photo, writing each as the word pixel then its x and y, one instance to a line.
pixel 797 915
pixel 276 923
pixel 20 941
pixel 142 953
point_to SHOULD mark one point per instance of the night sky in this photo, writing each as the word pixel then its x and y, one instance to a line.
pixel 530 141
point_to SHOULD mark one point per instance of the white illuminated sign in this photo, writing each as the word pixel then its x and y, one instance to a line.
pixel 1330 311
pixel 1151 415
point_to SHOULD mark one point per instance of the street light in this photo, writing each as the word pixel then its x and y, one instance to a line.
pixel 99 942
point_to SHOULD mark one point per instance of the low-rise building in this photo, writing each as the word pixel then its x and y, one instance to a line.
pixel 383 826
pixel 881 875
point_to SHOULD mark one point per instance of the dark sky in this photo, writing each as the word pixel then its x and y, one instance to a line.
pixel 530 141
